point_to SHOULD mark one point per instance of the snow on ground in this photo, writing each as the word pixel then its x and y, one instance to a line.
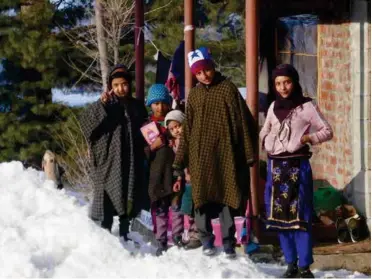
pixel 59 96
pixel 47 233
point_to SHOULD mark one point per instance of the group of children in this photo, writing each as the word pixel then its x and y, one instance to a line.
pixel 164 192
pixel 219 160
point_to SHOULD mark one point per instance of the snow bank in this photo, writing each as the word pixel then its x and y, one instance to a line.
pixel 47 233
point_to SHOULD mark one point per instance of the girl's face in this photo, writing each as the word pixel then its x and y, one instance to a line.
pixel 284 86
pixel 175 129
pixel 159 109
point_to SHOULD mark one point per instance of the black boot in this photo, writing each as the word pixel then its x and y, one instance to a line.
pixel 124 227
pixel 162 247
pixel 292 271
pixel 305 272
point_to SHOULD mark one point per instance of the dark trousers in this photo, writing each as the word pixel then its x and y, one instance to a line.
pixel 108 217
pixel 203 217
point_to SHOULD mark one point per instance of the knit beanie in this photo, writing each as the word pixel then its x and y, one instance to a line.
pixel 199 59
pixel 158 93
pixel 119 71
pixel 175 115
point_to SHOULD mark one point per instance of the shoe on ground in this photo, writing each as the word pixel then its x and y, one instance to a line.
pixel 353 226
pixel 291 272
pixel 230 253
pixel 126 238
pixel 209 249
pixel 162 248
pixel 343 234
pixel 305 273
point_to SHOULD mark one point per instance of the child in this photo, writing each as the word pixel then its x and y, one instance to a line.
pixel 286 136
pixel 161 177
pixel 216 145
pixel 173 121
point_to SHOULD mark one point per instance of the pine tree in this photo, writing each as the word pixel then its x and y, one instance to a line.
pixel 31 52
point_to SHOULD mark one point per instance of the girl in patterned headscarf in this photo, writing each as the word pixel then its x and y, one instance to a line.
pixel 286 137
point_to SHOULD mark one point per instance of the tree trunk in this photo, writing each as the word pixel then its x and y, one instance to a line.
pixel 102 48
pixel 116 41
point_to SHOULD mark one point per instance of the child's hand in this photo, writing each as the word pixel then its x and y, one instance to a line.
pixel 157 143
pixel 171 143
pixel 107 96
pixel 177 185
pixel 305 139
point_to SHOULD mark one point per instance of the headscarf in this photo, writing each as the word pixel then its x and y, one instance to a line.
pixel 283 106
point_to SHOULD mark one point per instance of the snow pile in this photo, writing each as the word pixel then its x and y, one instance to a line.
pixel 47 233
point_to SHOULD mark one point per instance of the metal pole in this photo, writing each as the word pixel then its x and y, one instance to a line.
pixel 251 62
pixel 139 45
pixel 189 42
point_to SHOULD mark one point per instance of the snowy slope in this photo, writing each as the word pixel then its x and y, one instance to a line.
pixel 47 233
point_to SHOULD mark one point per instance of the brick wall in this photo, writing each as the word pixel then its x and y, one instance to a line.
pixel 332 160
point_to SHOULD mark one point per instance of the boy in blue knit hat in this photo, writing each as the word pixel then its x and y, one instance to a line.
pixel 161 158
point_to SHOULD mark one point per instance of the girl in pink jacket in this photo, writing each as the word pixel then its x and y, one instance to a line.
pixel 292 125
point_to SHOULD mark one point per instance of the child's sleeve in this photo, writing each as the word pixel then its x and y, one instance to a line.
pixel 323 131
pixel 182 155
pixel 92 119
pixel 267 126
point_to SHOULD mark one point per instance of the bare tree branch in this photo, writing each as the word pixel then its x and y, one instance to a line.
pixel 75 156
pixel 117 23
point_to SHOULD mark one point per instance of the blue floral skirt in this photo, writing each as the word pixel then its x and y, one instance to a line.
pixel 289 194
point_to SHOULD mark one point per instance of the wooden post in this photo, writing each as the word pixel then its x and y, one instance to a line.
pixel 189 32
pixel 251 62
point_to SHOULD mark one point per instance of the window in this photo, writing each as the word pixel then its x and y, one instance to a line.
pixel 297 44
